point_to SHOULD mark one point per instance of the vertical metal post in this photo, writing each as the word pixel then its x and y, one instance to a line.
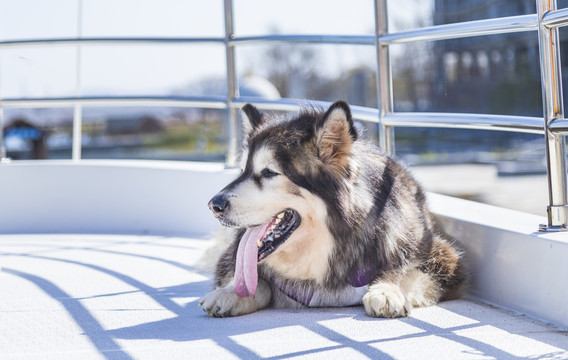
pixel 3 156
pixel 232 90
pixel 553 108
pixel 77 132
pixel 384 78
pixel 77 109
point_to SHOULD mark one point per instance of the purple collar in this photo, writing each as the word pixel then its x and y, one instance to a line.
pixel 299 292
pixel 361 277
pixel 303 292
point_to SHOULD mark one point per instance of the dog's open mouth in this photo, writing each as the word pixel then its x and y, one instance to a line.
pixel 256 244
pixel 282 226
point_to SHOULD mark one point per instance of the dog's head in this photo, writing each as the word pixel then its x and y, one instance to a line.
pixel 289 165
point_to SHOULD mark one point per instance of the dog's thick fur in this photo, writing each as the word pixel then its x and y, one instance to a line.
pixel 366 234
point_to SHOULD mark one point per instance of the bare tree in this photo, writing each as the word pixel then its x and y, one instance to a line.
pixel 291 68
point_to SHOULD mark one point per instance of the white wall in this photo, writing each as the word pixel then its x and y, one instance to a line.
pixel 512 263
pixel 135 197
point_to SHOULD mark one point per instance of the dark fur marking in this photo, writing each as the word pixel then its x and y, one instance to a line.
pixel 367 265
pixel 295 190
pixel 254 116
pixel 226 264
pixel 257 181
pixel 385 188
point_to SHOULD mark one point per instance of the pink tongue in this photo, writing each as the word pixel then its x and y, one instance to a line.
pixel 246 269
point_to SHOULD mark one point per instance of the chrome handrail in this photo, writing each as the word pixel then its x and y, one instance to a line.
pixel 233 41
pixel 509 123
pixel 209 102
pixel 546 22
pixel 109 41
pixel 553 108
pixel 287 104
pixel 385 99
pixel 503 25
pixel 310 39
pixel 522 124
pixel 555 18
pixel 232 88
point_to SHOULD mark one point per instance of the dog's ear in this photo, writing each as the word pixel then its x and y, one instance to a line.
pixel 255 119
pixel 335 134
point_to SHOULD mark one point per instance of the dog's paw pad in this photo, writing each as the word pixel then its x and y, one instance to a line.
pixel 225 302
pixel 385 301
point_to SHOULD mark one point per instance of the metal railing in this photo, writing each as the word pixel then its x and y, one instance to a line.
pixel 545 22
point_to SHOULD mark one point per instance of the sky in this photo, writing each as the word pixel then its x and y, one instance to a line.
pixel 157 69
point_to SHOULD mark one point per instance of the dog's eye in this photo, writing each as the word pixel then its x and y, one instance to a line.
pixel 267 173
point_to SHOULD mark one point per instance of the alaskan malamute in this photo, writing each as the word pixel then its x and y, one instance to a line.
pixel 321 218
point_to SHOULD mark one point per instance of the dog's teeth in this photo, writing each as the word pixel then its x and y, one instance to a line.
pixel 259 243
pixel 280 216
pixel 277 221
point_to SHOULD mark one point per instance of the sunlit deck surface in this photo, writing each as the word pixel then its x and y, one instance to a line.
pixel 123 297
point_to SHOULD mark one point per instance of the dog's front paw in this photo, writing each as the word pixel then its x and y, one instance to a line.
pixel 225 302
pixel 385 300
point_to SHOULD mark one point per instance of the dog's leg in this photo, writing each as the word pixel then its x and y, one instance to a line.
pixel 398 295
pixel 385 298
pixel 440 277
pixel 224 301
pixel 445 266
pixel 395 295
pixel 420 289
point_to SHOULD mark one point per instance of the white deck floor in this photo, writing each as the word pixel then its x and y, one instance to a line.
pixel 135 297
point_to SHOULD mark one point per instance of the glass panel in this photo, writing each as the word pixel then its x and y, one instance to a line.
pixel 409 14
pixel 109 18
pixel 322 72
pixel 113 70
pixel 491 74
pixel 155 70
pixel 254 17
pixel 563 32
pixel 165 18
pixel 496 74
pixel 38 133
pixel 412 14
pixel 37 72
pixel 28 19
pixel 497 168
pixel 154 133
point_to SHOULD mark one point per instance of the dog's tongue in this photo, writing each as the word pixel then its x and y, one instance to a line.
pixel 246 268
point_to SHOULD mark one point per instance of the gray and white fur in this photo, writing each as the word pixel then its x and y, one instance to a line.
pixel 366 234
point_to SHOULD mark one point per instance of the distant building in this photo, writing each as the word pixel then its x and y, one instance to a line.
pixel 495 74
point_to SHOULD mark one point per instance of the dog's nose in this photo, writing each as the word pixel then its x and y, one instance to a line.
pixel 218 204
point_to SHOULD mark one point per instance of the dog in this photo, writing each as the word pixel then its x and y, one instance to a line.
pixel 321 218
